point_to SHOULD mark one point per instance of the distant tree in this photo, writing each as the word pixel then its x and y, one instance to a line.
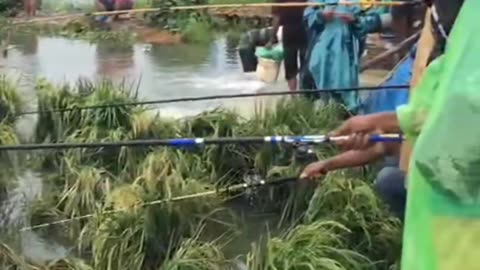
pixel 10 7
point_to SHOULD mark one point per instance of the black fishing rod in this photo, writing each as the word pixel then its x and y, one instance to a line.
pixel 213 97
pixel 195 142
pixel 219 191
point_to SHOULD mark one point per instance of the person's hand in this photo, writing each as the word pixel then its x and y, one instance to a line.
pixel 314 170
pixel 356 124
pixel 327 15
pixel 355 141
pixel 357 131
pixel 348 19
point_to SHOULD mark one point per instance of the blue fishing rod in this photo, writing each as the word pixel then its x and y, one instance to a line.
pixel 198 142
pixel 252 182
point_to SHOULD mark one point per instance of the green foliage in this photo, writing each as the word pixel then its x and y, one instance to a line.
pixel 373 231
pixel 10 261
pixel 314 246
pixel 7 135
pixel 194 254
pixel 10 7
pixel 10 101
pixel 197 31
pixel 344 225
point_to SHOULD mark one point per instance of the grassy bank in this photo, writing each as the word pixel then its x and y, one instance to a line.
pixel 195 26
pixel 339 225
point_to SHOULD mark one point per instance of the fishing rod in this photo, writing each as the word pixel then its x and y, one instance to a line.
pixel 225 190
pixel 220 6
pixel 228 189
pixel 198 142
pixel 213 97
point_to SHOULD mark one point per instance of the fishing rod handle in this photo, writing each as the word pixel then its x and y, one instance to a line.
pixel 386 138
pixel 375 138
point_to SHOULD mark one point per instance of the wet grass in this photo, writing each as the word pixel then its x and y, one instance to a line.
pixel 340 225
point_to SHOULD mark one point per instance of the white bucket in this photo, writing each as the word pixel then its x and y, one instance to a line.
pixel 268 70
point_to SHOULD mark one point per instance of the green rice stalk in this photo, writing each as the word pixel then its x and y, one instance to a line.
pixel 9 260
pixel 194 254
pixel 68 264
pixel 140 237
pixel 83 191
pixel 10 101
pixel 313 246
pixel 352 202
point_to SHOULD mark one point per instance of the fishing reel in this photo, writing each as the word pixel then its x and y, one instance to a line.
pixel 304 153
pixel 253 179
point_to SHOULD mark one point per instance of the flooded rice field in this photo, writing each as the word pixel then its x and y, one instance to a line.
pixel 157 72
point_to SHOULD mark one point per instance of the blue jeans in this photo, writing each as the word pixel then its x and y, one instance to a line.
pixel 390 186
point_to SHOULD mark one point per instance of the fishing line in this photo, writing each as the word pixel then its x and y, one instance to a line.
pixel 200 141
pixel 196 142
pixel 214 97
pixel 219 6
pixel 232 188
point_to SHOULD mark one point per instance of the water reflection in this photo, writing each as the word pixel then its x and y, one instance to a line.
pixel 29 44
pixel 114 62
pixel 165 71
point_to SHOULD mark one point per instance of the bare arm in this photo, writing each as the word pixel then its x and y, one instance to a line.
pixel 352 158
pixel 386 122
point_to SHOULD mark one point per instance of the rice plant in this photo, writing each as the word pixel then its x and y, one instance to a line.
pixel 194 254
pixel 83 191
pixel 7 137
pixel 138 237
pixel 314 246
pixel 56 126
pixel 10 260
pixel 163 235
pixel 373 231
pixel 10 101
pixel 68 264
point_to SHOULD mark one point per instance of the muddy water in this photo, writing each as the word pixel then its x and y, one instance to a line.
pixel 162 72
pixel 159 72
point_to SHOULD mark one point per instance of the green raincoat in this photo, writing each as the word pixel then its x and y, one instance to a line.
pixel 442 225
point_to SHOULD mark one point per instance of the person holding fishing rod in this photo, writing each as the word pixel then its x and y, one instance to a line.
pixel 390 180
pixel 442 220
pixel 389 183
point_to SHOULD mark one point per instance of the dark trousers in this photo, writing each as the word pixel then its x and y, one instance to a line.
pixel 292 54
pixel 390 186
pixel 294 48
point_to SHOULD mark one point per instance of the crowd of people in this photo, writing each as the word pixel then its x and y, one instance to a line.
pixel 323 45
pixel 390 180
pixel 434 189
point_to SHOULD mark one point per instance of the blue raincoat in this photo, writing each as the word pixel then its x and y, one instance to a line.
pixel 335 48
